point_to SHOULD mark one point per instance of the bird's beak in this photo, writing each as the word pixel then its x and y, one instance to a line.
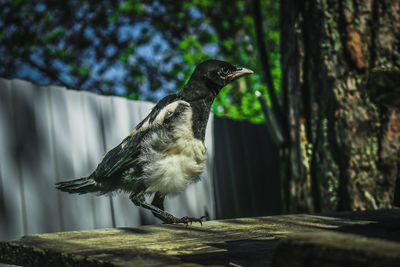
pixel 239 72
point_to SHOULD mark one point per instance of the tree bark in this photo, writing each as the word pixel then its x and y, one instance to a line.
pixel 346 146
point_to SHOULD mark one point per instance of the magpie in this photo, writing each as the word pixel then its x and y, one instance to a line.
pixel 166 151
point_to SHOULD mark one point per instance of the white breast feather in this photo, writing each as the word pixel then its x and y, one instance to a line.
pixel 172 172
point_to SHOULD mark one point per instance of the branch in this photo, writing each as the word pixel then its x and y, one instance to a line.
pixel 265 66
pixel 264 57
pixel 271 123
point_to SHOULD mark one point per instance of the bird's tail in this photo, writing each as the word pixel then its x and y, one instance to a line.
pixel 81 185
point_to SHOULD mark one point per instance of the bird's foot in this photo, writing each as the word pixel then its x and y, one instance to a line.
pixel 166 217
pixel 185 220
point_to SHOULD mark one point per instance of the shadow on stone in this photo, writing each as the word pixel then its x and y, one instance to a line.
pixel 246 252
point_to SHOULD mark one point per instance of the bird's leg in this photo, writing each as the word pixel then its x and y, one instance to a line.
pixel 139 200
pixel 166 217
pixel 158 201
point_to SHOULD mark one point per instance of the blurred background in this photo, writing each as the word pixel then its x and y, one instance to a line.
pixel 303 134
pixel 142 50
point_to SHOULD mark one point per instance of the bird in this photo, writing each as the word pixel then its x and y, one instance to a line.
pixel 165 152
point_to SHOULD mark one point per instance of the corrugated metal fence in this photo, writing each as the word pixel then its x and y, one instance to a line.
pixel 48 134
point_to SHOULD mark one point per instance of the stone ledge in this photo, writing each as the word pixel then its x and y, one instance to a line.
pixel 245 242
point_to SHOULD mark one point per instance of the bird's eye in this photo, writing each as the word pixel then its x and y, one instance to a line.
pixel 224 71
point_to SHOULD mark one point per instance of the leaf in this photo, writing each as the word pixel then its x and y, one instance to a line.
pixel 129 51
pixel 55 35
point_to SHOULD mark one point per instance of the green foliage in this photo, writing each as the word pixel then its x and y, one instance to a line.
pixel 231 31
pixel 130 50
pixel 139 49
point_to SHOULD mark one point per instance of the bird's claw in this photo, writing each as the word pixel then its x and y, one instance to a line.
pixel 189 220
pixel 186 220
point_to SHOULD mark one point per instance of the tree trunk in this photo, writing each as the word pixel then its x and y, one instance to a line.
pixel 344 148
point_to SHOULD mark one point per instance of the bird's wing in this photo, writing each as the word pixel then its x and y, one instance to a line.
pixel 116 160
pixel 124 156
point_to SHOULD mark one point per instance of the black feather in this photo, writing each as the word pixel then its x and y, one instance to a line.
pixel 81 185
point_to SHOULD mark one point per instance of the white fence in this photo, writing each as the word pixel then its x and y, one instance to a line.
pixel 48 134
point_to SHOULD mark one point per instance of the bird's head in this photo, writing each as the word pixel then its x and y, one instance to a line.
pixel 216 74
